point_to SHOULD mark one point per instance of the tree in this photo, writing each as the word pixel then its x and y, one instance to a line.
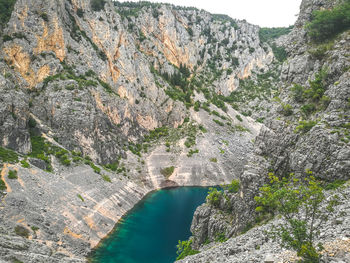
pixel 298 201
pixel 184 249
pixel 328 23
pixel 6 8
pixel 97 5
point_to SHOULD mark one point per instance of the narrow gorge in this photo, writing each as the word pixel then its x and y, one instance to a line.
pixel 103 102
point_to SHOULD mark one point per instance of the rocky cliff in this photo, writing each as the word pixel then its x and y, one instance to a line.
pixel 304 130
pixel 104 102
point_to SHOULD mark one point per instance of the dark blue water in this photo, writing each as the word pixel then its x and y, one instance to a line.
pixel 150 232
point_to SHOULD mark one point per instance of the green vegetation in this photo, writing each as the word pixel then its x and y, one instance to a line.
pixel 287 109
pixel 6 8
pixel 317 86
pixel 239 128
pixel 106 178
pixel 8 156
pixel 219 122
pixel 224 19
pixel 334 185
pixel 34 228
pixel 298 201
pixel 80 197
pixel 238 117
pixel 263 89
pixel 12 174
pixel 167 172
pixel 45 17
pixel 191 152
pixel 156 134
pixel 31 123
pixel 305 126
pixel 184 249
pixel 279 52
pixel 268 34
pixel 92 165
pixel 233 187
pixel 97 5
pixel 213 160
pixel 220 237
pixel 298 93
pixel 180 88
pixel 214 196
pixel 326 24
pixel 319 51
pixel 2 185
pixel 22 231
pixel 128 9
pixel 40 149
pixel 314 95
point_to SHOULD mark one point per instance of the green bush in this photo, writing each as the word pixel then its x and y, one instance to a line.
pixel 317 86
pixel 2 185
pixel 25 164
pixel 219 122
pixel 22 231
pixel 214 197
pixel 80 12
pixel 233 187
pixel 45 17
pixel 319 52
pixel 220 237
pixel 287 109
pixel 106 178
pixel 184 249
pixel 97 5
pixel 298 201
pixel 326 24
pixel 307 109
pixel 80 197
pixel 167 172
pixel 298 93
pixel 6 8
pixel 191 152
pixel 238 117
pixel 334 185
pixel 305 126
pixel 64 160
pixel 213 160
pixel 31 123
pixel 12 174
pixel 7 155
pixel 34 228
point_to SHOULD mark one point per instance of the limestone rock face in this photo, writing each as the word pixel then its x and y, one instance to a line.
pixel 58 41
pixel 132 88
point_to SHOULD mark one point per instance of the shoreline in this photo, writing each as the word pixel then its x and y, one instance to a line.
pixel 90 254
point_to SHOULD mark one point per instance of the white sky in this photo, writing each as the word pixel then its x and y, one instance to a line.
pixel 265 13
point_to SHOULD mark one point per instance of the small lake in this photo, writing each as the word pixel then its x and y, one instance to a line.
pixel 150 232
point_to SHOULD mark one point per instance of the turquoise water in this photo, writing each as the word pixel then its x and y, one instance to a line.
pixel 150 232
